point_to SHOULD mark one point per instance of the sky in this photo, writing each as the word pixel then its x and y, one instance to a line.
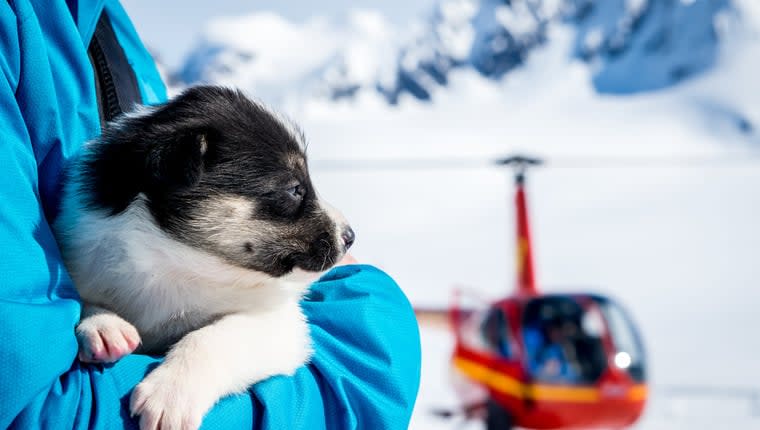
pixel 169 27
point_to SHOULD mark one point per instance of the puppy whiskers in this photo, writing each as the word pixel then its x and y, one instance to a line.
pixel 327 255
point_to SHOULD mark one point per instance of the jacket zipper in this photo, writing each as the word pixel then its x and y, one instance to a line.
pixel 109 100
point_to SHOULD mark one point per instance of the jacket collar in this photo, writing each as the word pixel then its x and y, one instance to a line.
pixel 86 14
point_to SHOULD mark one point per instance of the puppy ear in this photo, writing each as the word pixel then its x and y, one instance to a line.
pixel 177 162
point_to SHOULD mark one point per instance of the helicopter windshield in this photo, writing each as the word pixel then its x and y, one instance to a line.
pixel 629 353
pixel 563 340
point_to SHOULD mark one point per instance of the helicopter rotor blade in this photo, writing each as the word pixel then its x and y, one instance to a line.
pixel 520 160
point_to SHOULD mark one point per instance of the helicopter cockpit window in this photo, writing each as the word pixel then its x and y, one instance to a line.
pixel 495 333
pixel 563 341
pixel 487 330
pixel 629 353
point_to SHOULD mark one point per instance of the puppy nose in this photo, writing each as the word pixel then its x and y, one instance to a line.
pixel 348 237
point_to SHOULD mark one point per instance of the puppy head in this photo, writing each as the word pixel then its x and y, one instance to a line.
pixel 224 175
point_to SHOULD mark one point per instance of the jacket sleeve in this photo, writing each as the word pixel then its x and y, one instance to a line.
pixel 364 374
pixel 366 366
pixel 41 384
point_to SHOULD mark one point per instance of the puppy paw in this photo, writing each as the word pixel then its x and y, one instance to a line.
pixel 165 401
pixel 105 337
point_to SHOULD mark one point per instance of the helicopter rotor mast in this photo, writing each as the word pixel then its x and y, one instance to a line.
pixel 525 271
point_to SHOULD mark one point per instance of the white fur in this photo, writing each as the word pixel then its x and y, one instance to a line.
pixel 218 359
pixel 237 326
pixel 103 336
pixel 337 217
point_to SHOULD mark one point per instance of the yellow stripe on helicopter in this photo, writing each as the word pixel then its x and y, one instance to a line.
pixel 513 387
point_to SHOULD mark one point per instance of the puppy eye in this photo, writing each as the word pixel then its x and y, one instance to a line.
pixel 296 191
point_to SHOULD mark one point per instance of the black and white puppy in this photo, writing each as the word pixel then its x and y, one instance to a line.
pixel 193 228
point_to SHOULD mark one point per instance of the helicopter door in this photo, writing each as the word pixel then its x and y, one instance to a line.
pixel 496 333
pixel 487 331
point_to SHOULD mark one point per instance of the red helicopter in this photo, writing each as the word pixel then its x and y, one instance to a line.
pixel 546 361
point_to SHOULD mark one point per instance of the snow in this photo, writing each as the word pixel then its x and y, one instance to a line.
pixel 277 59
pixel 518 19
pixel 676 242
pixel 454 29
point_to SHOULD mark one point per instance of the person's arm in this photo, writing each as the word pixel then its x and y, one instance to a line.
pixel 366 365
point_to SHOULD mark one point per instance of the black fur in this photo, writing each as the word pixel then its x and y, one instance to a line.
pixel 212 141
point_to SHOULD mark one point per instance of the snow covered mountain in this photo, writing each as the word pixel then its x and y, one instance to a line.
pixel 632 46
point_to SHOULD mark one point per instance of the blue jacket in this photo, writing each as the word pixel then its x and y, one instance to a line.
pixel 365 372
